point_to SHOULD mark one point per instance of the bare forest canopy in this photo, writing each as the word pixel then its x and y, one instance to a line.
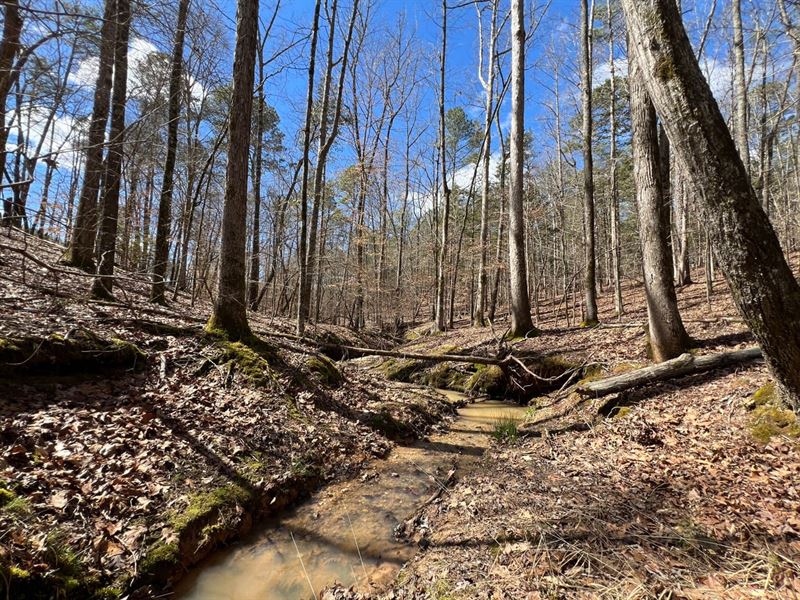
pixel 368 163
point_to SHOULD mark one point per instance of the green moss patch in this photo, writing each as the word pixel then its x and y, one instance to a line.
pixel 325 370
pixel 488 379
pixel 206 505
pixel 770 417
pixel 160 558
pixel 251 359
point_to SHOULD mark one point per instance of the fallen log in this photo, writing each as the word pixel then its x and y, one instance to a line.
pixel 685 364
pixel 354 352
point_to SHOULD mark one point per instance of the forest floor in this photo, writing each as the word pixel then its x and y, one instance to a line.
pixel 132 443
pixel 689 490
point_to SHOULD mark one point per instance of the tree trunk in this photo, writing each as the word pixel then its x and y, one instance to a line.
pixel 230 309
pixel 81 251
pixel 740 86
pixel 763 286
pixel 439 324
pixel 488 86
pixel 255 249
pixel 612 160
pixel 103 284
pixel 590 259
pixel 521 324
pixel 165 203
pixel 667 337
pixel 9 47
pixel 303 300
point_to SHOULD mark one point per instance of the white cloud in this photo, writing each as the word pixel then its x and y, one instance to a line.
pixel 602 72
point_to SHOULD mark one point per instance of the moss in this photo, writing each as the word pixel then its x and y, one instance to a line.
pixel 592 373
pixel 624 367
pixel 109 593
pixel 6 496
pixel 251 358
pixel 203 505
pixel 664 67
pixel 622 412
pixel 770 417
pixel 441 591
pixel 488 379
pixel 766 394
pixel 399 369
pixel 160 556
pixel 324 368
pixel 589 323
pixel 8 345
pixel 301 467
pixel 18 573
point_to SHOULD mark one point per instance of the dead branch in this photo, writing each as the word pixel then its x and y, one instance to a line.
pixel 685 364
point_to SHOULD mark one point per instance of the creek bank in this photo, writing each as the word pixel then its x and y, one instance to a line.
pixel 129 456
pixel 351 532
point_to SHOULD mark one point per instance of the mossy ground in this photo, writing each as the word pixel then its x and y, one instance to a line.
pixel 770 417
pixel 325 369
pixel 251 358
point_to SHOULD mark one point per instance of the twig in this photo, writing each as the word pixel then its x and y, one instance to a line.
pixel 303 566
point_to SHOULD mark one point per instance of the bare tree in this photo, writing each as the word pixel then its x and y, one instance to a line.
pixel 521 323
pixel 230 309
pixel 441 277
pixel 103 284
pixel 165 204
pixel 667 337
pixel 302 305
pixel 740 86
pixel 488 88
pixel 590 260
pixel 81 250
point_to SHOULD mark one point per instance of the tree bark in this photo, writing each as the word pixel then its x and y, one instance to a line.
pixel 439 324
pixel 612 160
pixel 667 337
pixel 521 323
pixel 103 284
pixel 165 204
pixel 230 309
pixel 685 364
pixel 590 283
pixel 9 47
pixel 81 251
pixel 763 286
pixel 255 248
pixel 303 300
pixel 488 86
pixel 740 86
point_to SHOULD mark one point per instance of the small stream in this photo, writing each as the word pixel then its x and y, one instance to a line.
pixel 345 533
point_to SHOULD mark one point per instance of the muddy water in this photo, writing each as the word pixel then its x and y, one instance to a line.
pixel 345 533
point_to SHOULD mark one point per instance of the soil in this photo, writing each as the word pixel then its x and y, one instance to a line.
pixel 115 476
pixel 678 493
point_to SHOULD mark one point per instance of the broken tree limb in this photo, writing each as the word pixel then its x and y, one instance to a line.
pixel 353 352
pixel 685 364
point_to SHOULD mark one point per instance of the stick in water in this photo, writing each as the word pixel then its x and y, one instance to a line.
pixel 366 577
pixel 308 579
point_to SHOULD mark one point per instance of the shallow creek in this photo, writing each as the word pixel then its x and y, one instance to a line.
pixel 345 533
